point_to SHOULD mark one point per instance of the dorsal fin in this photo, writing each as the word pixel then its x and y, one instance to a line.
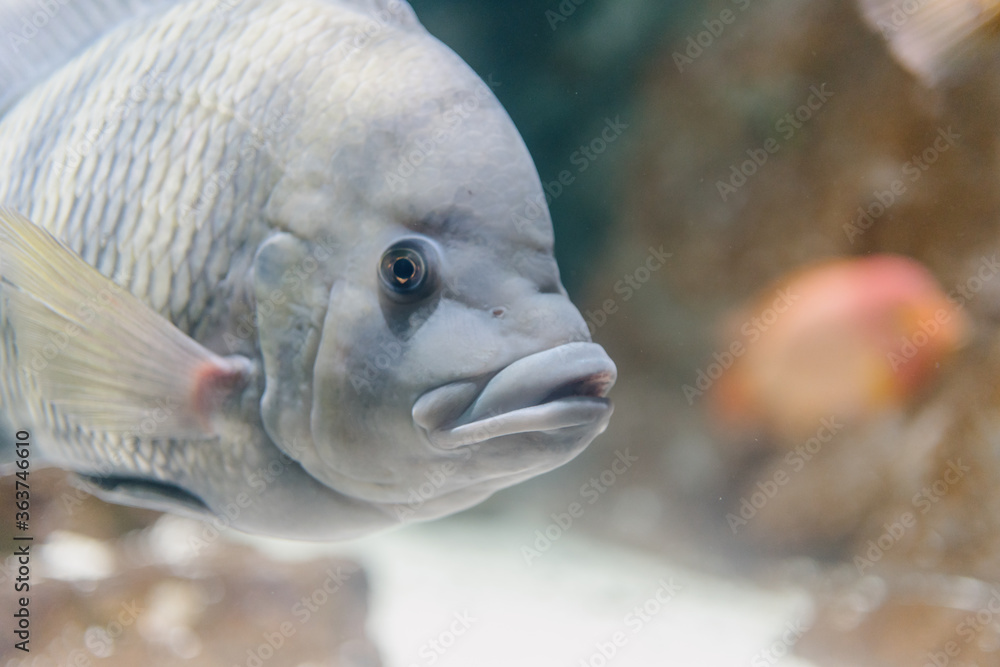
pixel 39 36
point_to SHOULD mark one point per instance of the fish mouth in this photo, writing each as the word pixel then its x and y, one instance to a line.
pixel 558 388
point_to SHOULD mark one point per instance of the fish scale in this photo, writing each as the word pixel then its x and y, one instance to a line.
pixel 154 178
pixel 118 206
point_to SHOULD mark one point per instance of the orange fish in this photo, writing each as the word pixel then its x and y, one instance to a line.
pixel 846 338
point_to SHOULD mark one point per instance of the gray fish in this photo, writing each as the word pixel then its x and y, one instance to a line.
pixel 287 263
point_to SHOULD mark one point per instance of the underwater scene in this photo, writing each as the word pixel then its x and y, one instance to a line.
pixel 583 333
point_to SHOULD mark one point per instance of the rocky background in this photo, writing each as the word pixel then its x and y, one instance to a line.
pixel 118 586
pixel 847 441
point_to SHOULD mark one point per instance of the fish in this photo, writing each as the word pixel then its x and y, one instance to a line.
pixel 847 338
pixel 287 265
pixel 935 39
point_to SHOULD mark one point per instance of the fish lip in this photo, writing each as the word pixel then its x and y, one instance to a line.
pixel 557 388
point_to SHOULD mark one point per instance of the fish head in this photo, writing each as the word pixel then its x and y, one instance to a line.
pixel 450 361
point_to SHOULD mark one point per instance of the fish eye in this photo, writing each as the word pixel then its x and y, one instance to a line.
pixel 408 270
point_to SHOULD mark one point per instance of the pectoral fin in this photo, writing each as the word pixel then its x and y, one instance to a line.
pixel 97 355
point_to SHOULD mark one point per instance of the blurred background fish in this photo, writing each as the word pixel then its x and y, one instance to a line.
pixel 845 340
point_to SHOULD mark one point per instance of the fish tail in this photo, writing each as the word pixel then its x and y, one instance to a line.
pixel 933 39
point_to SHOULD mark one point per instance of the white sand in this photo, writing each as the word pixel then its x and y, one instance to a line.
pixel 458 593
